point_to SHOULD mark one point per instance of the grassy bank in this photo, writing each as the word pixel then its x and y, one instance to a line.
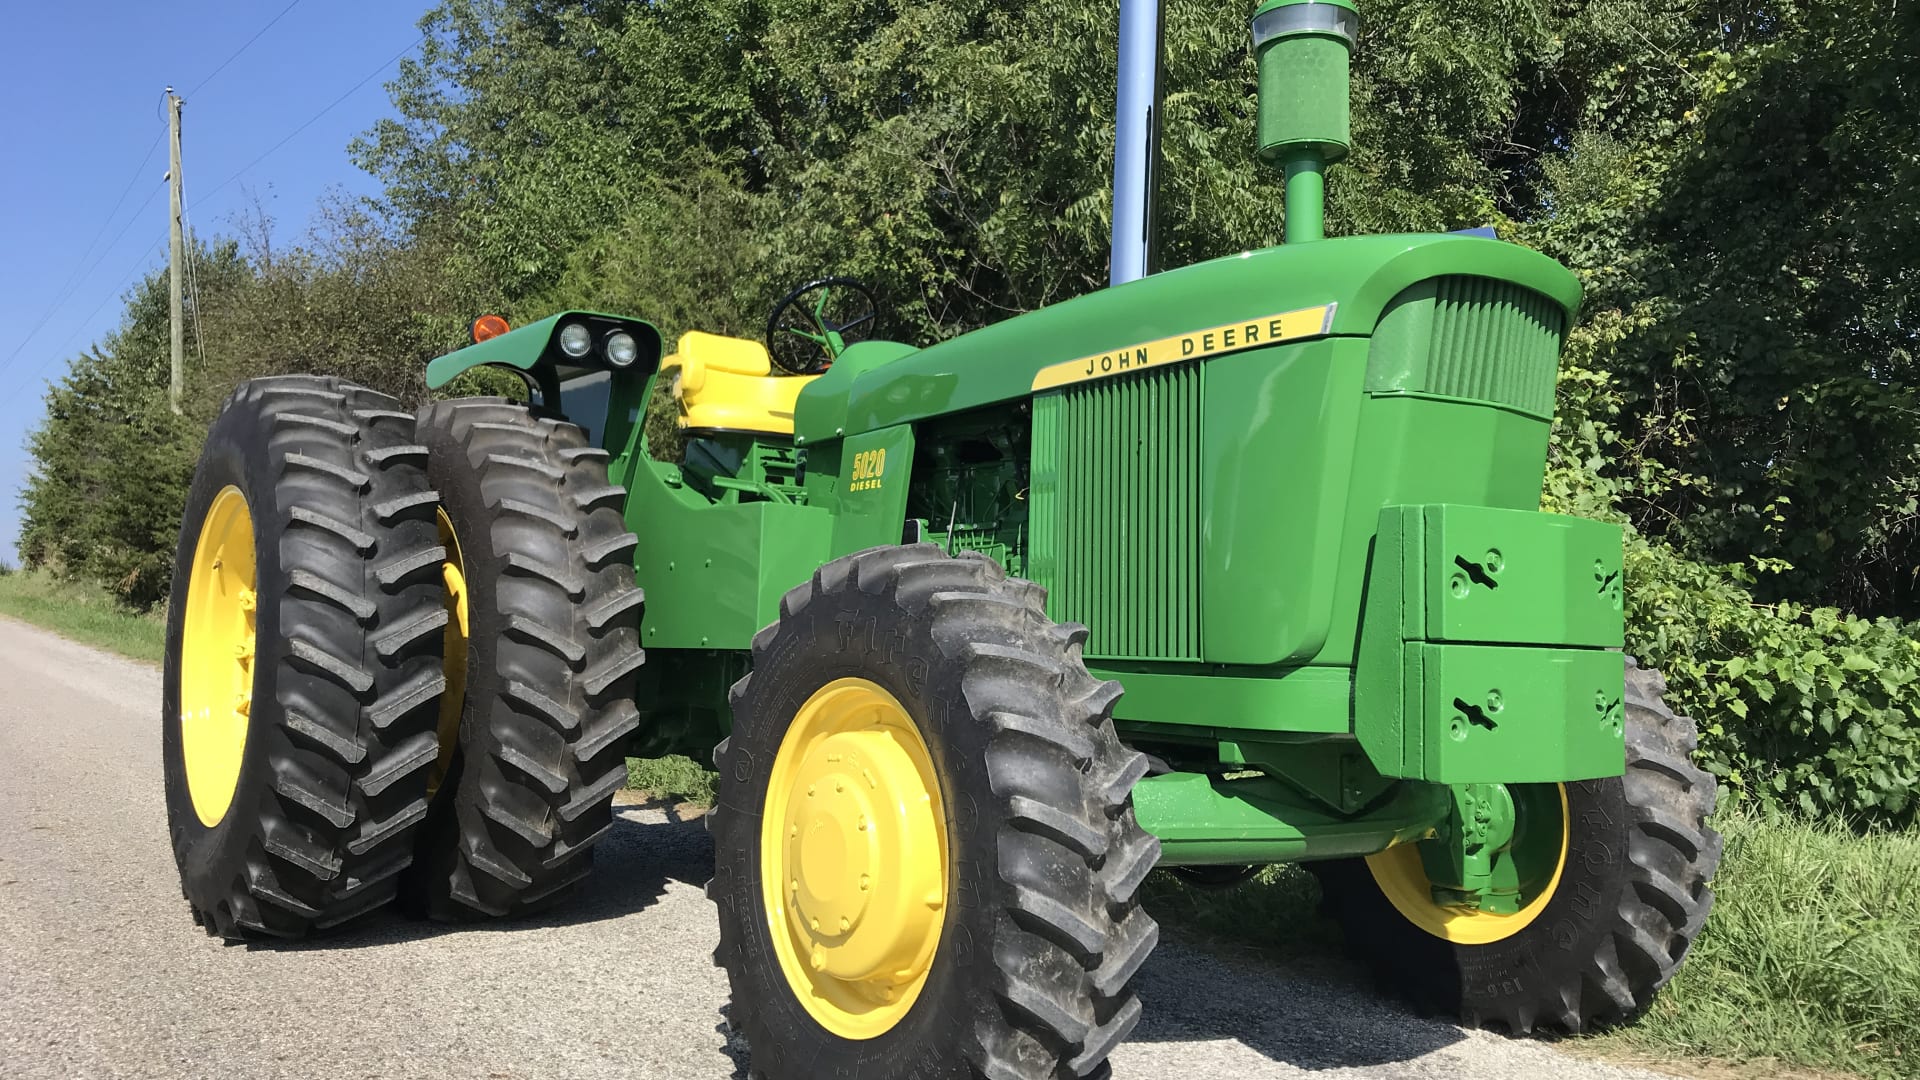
pixel 1811 957
pixel 81 612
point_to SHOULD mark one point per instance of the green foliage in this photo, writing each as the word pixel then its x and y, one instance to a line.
pixel 1803 708
pixel 111 463
pixel 1749 251
pixel 674 777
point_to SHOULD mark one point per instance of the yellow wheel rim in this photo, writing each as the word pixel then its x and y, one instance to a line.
pixel 1403 879
pixel 454 573
pixel 216 655
pixel 853 859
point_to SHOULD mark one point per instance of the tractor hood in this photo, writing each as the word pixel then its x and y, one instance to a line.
pixel 1248 301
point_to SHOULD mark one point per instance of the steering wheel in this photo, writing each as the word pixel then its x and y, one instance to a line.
pixel 812 325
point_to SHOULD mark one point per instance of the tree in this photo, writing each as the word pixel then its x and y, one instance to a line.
pixel 112 462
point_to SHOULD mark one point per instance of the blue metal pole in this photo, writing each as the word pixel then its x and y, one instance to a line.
pixel 1136 140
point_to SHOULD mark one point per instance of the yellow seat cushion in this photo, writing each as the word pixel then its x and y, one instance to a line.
pixel 727 383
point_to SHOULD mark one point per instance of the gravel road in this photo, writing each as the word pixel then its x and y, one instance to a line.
pixel 102 973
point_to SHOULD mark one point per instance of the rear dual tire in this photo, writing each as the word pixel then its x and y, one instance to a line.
pixel 526 784
pixel 302 671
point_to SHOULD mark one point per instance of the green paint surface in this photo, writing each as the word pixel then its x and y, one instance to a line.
pixel 998 363
pixel 1311 554
pixel 1207 820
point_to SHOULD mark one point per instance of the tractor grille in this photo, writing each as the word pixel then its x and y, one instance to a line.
pixel 1116 511
pixel 1494 341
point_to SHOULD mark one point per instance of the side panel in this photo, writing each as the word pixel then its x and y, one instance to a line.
pixel 1300 701
pixel 873 471
pixel 1417 450
pixel 713 574
pixel 1278 454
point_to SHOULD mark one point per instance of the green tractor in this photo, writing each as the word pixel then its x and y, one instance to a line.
pixel 1287 500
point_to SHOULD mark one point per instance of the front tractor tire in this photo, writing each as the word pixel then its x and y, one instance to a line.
pixel 1625 900
pixel 926 857
pixel 302 669
pixel 543 651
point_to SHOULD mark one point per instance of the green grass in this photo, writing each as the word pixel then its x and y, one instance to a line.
pixel 85 613
pixel 672 777
pixel 1276 911
pixel 1810 959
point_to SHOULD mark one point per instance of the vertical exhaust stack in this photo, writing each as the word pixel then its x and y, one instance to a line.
pixel 1305 51
pixel 1136 140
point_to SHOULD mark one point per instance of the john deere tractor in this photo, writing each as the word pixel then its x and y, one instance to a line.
pixel 1224 566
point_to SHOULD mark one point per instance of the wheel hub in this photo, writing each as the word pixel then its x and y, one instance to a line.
pixel 1490 872
pixel 217 655
pixel 453 574
pixel 854 858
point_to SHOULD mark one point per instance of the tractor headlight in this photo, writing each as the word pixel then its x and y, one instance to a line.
pixel 576 340
pixel 622 350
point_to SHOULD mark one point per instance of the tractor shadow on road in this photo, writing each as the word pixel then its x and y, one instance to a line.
pixel 1312 1013
pixel 1306 1008
pixel 648 847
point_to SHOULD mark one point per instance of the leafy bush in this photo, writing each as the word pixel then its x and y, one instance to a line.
pixel 1800 708
pixel 1806 709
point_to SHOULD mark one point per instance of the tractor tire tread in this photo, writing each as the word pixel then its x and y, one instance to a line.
pixel 549 692
pixel 1645 915
pixel 1069 934
pixel 353 645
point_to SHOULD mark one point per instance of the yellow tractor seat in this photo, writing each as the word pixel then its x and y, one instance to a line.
pixel 727 384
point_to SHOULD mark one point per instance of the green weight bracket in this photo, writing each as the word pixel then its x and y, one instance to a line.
pixel 1489 650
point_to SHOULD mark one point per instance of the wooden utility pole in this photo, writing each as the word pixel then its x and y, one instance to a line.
pixel 177 250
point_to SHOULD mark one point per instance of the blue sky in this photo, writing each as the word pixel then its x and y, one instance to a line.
pixel 87 81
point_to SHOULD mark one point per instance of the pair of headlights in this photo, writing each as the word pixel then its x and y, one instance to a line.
pixel 576 340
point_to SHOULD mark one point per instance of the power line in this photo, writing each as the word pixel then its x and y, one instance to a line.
pixel 193 288
pixel 139 268
pixel 88 272
pixel 124 192
pixel 311 120
pixel 73 281
pixel 236 53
